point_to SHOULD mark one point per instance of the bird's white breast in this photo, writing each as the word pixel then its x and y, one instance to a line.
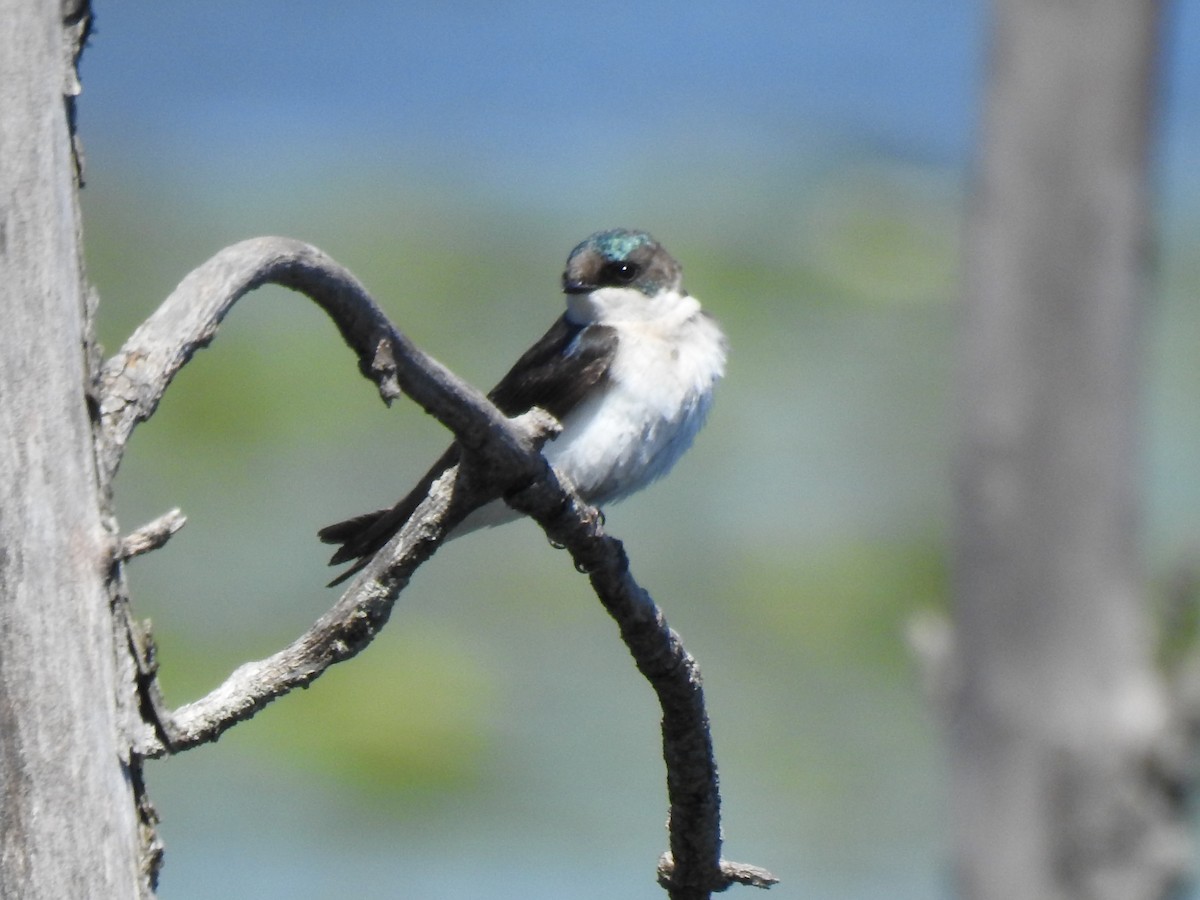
pixel 657 394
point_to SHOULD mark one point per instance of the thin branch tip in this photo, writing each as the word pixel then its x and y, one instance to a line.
pixel 728 874
pixel 382 371
pixel 151 536
pixel 539 424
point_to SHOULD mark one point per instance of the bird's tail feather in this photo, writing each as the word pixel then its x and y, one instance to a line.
pixel 365 535
pixel 362 536
pixel 346 531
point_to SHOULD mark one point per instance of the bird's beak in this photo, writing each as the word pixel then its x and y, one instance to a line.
pixel 576 286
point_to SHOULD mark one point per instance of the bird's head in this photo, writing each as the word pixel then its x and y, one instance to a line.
pixel 619 272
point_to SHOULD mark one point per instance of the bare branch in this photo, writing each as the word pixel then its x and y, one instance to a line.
pixel 346 629
pixel 501 458
pixel 354 621
pixel 695 866
pixel 134 380
pixel 151 536
pixel 731 873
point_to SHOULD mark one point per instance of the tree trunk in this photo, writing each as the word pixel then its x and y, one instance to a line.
pixel 68 815
pixel 1059 713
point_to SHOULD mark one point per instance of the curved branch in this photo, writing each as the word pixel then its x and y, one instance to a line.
pixel 503 458
pixel 134 380
pixel 693 868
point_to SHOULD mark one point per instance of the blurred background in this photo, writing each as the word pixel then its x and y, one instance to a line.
pixel 808 164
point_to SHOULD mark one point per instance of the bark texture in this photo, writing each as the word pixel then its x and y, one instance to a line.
pixel 68 816
pixel 1059 721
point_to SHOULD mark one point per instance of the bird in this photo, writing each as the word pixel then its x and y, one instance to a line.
pixel 628 370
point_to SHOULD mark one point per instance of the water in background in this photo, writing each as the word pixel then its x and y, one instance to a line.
pixel 806 164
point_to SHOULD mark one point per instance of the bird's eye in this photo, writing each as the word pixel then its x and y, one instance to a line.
pixel 622 272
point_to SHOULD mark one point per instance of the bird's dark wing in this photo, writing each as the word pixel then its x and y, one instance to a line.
pixel 556 373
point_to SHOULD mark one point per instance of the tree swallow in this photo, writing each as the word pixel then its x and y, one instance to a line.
pixel 628 370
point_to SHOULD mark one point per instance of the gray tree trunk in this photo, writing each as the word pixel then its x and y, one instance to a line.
pixel 1059 715
pixel 68 815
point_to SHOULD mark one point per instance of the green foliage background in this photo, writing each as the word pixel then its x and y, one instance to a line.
pixel 495 740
